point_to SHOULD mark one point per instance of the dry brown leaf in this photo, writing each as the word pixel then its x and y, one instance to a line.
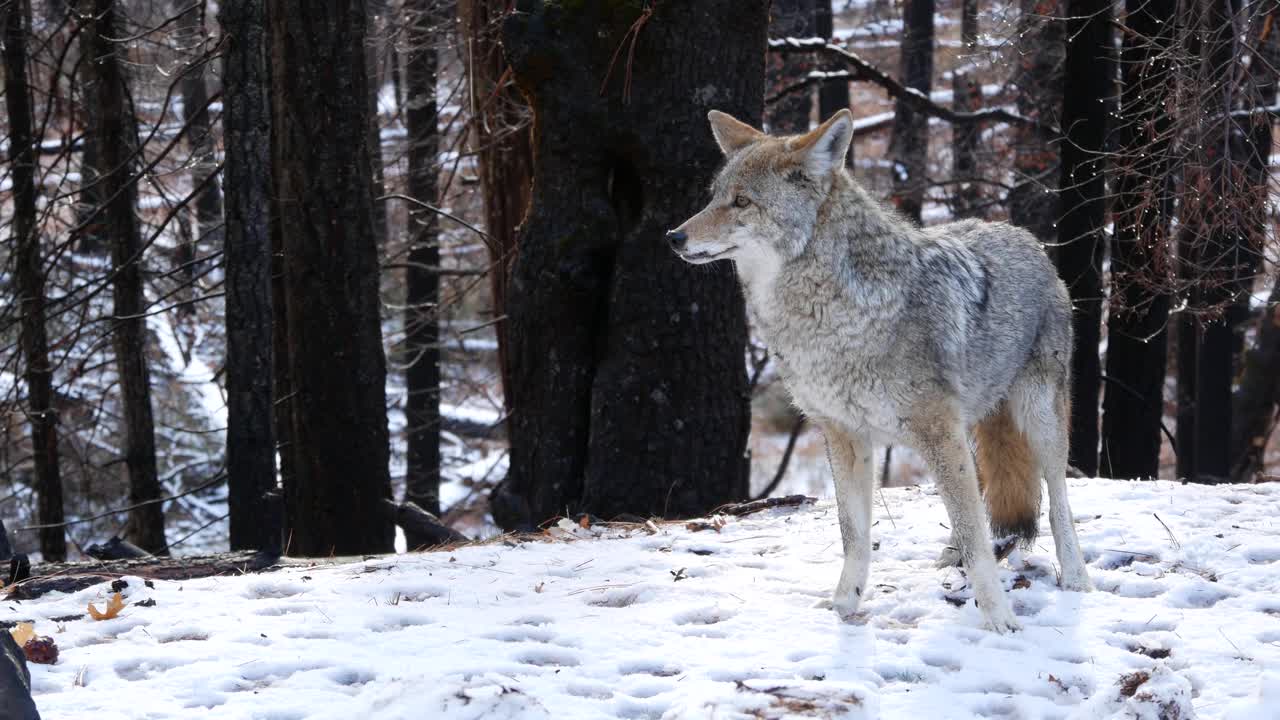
pixel 114 606
pixel 22 632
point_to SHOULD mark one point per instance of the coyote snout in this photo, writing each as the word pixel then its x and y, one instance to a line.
pixel 888 333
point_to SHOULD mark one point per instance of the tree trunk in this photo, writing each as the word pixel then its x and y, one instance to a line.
pixel 376 181
pixel 629 391
pixel 909 145
pixel 1254 403
pixel 200 138
pixel 1080 232
pixel 790 114
pixel 422 282
pixel 336 362
pixel 504 157
pixel 1218 223
pixel 1137 342
pixel 251 466
pixel 118 142
pixel 966 97
pixel 1040 51
pixel 29 275
pixel 833 95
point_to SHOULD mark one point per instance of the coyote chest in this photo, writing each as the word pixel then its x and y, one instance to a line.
pixel 832 356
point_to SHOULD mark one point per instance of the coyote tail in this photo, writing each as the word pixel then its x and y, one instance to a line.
pixel 1007 476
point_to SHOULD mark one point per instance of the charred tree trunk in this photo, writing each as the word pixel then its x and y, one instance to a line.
pixel 1137 343
pixel 1218 224
pixel 790 114
pixel 251 466
pixel 1254 404
pixel 194 87
pixel 377 182
pixel 1040 51
pixel 29 275
pixel 1080 232
pixel 422 281
pixel 118 144
pixel 832 95
pixel 967 97
pixel 504 157
pixel 629 391
pixel 909 145
pixel 336 362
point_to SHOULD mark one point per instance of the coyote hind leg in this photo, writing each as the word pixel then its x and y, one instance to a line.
pixel 1045 412
pixel 940 437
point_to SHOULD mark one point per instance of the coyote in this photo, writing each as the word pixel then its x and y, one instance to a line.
pixel 888 333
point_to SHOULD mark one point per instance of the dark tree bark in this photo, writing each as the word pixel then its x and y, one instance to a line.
pixel 909 145
pixel 251 466
pixel 336 362
pixel 200 138
pixel 967 97
pixel 1254 404
pixel 629 391
pixel 1216 234
pixel 118 143
pixel 376 9
pixel 29 276
pixel 422 282
pixel 504 157
pixel 1087 85
pixel 1040 53
pixel 832 95
pixel 790 18
pixel 1137 342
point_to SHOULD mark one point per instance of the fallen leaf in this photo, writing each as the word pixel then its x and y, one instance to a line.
pixel 22 632
pixel 114 606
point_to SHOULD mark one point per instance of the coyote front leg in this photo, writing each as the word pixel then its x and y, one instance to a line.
pixel 942 442
pixel 851 467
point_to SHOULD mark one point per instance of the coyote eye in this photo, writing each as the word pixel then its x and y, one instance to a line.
pixel 741 201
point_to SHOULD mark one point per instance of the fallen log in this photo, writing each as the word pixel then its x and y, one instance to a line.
pixel 425 528
pixel 75 576
pixel 755 506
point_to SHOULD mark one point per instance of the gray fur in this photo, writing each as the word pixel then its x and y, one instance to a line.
pixel 887 333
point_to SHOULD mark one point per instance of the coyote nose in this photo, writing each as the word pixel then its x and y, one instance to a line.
pixel 677 239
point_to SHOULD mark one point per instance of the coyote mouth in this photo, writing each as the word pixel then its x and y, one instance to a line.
pixel 706 256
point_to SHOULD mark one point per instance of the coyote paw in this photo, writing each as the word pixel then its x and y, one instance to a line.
pixel 1001 619
pixel 1076 581
pixel 845 608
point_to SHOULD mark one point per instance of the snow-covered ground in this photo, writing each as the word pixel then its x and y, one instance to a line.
pixel 667 621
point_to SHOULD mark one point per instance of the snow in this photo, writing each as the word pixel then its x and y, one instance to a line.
pixel 663 621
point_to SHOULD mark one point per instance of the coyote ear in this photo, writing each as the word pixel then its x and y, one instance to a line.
pixel 824 147
pixel 731 134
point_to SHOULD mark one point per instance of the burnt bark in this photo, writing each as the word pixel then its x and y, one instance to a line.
pixel 1039 61
pixel 337 368
pixel 251 466
pixel 629 391
pixel 1216 254
pixel 1083 196
pixel 194 87
pixel 118 218
pixel 909 144
pixel 790 18
pixel 422 282
pixel 1254 404
pixel 30 281
pixel 1137 342
pixel 966 95
pixel 504 158
pixel 833 95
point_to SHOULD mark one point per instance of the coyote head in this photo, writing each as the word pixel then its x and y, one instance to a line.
pixel 765 200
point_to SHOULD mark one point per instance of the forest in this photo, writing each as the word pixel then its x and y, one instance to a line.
pixel 363 277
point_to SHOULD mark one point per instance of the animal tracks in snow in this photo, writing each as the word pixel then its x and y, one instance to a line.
pixel 671 623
